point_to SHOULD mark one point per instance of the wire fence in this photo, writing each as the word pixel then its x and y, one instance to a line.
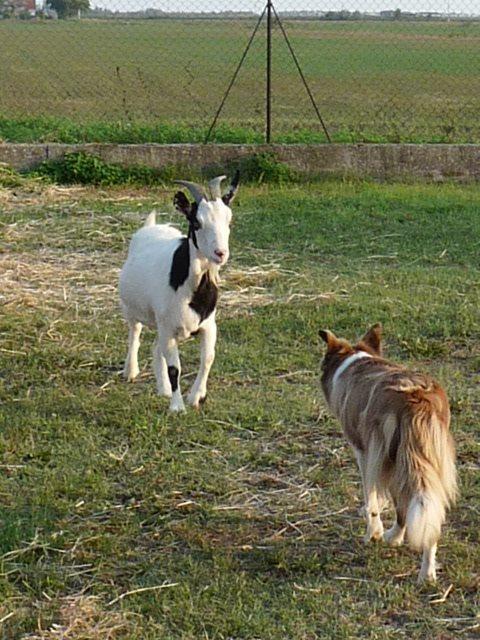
pixel 160 71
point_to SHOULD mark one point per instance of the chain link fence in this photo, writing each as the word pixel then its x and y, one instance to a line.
pixel 407 72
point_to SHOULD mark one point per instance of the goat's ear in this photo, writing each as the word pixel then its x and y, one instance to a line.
pixel 232 192
pixel 182 203
pixel 373 338
pixel 329 338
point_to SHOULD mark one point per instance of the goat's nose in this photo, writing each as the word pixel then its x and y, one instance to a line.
pixel 219 253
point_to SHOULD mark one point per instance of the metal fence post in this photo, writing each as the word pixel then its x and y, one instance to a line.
pixel 268 128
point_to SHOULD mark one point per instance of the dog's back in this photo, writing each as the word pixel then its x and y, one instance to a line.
pixel 398 422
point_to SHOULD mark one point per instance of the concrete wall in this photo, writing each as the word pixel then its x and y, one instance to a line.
pixel 435 162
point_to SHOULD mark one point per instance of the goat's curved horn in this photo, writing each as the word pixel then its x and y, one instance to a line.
pixel 230 195
pixel 214 186
pixel 197 191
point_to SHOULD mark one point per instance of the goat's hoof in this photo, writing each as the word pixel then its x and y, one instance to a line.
pixel 130 372
pixel 176 403
pixel 196 400
pixel 130 369
pixel 177 409
pixel 200 403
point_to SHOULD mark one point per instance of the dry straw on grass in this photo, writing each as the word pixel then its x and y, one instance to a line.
pixel 31 192
pixel 49 280
pixel 65 272
pixel 83 618
pixel 250 287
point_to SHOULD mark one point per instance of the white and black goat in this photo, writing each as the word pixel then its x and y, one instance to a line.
pixel 169 283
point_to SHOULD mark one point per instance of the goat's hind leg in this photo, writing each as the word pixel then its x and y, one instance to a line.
pixel 131 369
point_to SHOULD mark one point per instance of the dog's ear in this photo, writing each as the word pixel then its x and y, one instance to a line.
pixel 329 338
pixel 373 338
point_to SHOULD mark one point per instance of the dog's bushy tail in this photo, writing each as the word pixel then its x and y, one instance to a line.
pixel 427 470
pixel 425 516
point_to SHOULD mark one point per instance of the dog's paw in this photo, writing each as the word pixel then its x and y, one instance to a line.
pixel 394 536
pixel 374 534
pixel 427 577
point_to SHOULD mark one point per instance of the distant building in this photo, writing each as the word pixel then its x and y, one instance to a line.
pixel 388 14
pixel 397 14
pixel 18 8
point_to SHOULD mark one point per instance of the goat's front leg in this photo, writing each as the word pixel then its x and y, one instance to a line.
pixel 168 347
pixel 164 387
pixel 208 338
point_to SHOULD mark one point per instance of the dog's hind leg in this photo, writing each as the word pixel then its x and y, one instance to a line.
pixel 360 457
pixel 371 479
pixel 372 507
pixel 374 522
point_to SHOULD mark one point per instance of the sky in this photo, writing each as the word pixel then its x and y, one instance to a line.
pixel 374 6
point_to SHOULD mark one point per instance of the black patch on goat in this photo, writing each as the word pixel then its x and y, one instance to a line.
pixel 173 377
pixel 205 297
pixel 180 264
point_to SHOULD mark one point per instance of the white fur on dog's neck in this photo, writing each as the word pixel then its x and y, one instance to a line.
pixel 346 363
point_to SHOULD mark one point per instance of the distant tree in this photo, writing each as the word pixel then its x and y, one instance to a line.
pixel 397 14
pixel 6 9
pixel 67 8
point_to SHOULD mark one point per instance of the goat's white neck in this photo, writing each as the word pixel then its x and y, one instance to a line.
pixel 199 265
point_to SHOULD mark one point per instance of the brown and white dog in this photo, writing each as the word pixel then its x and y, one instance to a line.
pixel 397 422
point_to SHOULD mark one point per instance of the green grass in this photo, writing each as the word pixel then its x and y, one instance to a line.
pixel 162 81
pixel 250 507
